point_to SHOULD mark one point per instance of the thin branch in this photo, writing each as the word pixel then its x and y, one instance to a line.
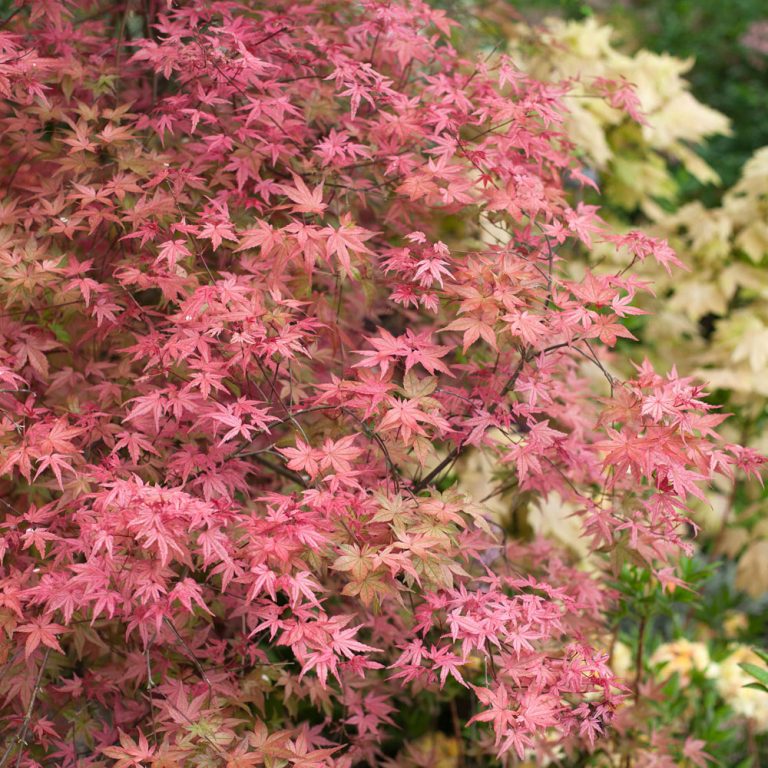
pixel 456 453
pixel 190 655
pixel 22 734
pixel 3 24
pixel 287 473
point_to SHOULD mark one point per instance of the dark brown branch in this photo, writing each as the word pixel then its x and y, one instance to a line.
pixel 22 733
pixel 456 453
pixel 287 473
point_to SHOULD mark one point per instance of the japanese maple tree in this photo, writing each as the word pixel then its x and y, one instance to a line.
pixel 270 272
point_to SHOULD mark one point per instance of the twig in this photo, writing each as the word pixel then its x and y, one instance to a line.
pixel 190 654
pixel 526 356
pixel 150 686
pixel 3 24
pixel 287 473
pixel 639 659
pixel 22 734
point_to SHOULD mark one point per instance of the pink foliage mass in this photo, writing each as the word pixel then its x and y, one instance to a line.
pixel 250 321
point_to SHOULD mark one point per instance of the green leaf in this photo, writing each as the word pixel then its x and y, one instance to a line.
pixel 60 332
pixel 446 481
pixel 760 674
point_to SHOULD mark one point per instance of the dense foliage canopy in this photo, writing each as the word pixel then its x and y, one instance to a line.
pixel 270 272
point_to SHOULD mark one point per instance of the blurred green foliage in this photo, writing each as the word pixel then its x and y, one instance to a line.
pixel 727 75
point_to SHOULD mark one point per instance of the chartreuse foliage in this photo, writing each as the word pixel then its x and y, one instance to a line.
pixel 643 129
pixel 252 323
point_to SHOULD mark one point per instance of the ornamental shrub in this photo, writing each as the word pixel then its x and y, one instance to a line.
pixel 252 322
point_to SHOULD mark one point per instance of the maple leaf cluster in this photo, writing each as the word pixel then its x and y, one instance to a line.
pixel 251 319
